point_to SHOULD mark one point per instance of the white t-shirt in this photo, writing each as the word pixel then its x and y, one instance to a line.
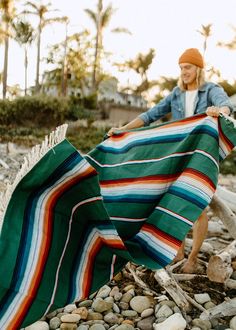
pixel 190 97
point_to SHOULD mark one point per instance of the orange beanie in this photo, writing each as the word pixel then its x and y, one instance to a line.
pixel 193 56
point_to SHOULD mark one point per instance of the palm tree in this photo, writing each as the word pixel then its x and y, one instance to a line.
pixel 231 45
pixel 7 8
pixel 101 19
pixel 206 33
pixel 24 35
pixel 40 10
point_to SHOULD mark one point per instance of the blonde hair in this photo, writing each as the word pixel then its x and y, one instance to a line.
pixel 200 79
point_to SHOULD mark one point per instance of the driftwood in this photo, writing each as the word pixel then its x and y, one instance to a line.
pixel 219 266
pixel 222 209
pixel 229 197
pixel 172 287
pixel 227 308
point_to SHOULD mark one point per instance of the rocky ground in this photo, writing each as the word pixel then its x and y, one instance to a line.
pixel 135 299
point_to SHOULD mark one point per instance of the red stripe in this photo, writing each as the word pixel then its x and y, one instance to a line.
pixel 45 247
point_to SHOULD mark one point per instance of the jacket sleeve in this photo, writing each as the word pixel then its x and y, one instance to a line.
pixel 159 110
pixel 219 98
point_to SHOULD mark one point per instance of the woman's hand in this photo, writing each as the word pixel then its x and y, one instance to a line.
pixel 217 111
pixel 113 130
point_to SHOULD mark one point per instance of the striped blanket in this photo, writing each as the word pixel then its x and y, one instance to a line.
pixel 72 221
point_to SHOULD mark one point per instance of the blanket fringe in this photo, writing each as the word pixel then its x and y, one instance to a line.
pixel 32 158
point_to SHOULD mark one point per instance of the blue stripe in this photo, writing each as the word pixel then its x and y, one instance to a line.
pixel 188 196
pixel 137 143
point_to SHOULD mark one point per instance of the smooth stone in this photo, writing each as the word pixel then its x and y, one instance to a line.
pixel 174 322
pixel 203 324
pixel 147 323
pixel 97 327
pixel 83 327
pixel 114 291
pixel 124 305
pixel 147 312
pixel 69 308
pixel 103 292
pixel 68 326
pixel 232 323
pixel 169 303
pixel 52 314
pixel 86 303
pixel 54 323
pixel 140 303
pixel 94 316
pixel 128 287
pixel 111 318
pixel 125 326
pixel 202 298
pixel 99 305
pixel 70 318
pixel 82 311
pixel 116 309
pixel 129 313
pixel 118 296
pixel 164 311
pixel 39 325
pixel 126 297
pixel 209 305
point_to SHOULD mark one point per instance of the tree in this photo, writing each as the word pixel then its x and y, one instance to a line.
pixel 231 44
pixel 75 63
pixel 40 11
pixel 140 64
pixel 101 19
pixel 206 33
pixel 8 11
pixel 24 35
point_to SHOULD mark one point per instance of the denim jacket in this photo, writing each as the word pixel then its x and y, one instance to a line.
pixel 209 94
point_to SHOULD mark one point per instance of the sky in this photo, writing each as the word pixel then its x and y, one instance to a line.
pixel 168 26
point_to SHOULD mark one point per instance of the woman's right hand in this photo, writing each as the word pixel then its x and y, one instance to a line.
pixel 113 130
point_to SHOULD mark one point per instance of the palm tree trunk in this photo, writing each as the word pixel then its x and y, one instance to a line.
pixel 26 69
pixel 37 87
pixel 5 66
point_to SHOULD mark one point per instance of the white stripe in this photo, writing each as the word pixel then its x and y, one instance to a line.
pixel 157 244
pixel 128 219
pixel 175 215
pixel 37 241
pixel 86 201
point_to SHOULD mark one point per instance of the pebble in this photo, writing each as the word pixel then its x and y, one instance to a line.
pixel 140 303
pixel 202 298
pixel 39 325
pixel 174 322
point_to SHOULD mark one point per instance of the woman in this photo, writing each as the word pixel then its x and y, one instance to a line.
pixel 192 95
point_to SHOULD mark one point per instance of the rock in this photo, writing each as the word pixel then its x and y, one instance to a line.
pixel 203 324
pixel 111 318
pixel 147 323
pixel 147 312
pixel 174 322
pixel 103 292
pixel 82 311
pixel 94 316
pixel 232 323
pixel 39 325
pixel 70 318
pixel 202 298
pixel 97 327
pixel 125 327
pixel 129 313
pixel 100 305
pixel 83 327
pixel 69 308
pixel 54 323
pixel 68 326
pixel 140 303
pixel 164 312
